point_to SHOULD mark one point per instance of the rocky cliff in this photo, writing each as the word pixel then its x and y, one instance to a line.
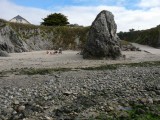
pixel 22 38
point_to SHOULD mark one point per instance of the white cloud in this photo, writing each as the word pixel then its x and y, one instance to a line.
pixel 8 10
pixel 84 15
pixel 149 3
pixel 125 19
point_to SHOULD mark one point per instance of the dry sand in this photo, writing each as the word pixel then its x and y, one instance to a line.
pixel 69 59
pixel 147 48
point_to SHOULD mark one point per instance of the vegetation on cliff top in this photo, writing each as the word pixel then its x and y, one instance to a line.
pixel 56 19
pixel 2 23
pixel 149 37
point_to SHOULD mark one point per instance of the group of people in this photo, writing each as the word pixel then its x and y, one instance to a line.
pixel 59 51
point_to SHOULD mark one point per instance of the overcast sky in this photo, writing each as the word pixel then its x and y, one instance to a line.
pixel 137 14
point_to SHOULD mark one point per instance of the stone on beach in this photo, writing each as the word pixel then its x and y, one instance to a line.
pixel 103 41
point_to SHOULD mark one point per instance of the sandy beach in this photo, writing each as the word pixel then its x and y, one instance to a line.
pixel 71 59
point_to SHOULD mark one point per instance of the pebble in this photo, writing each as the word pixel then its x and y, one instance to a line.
pixel 21 108
pixel 16 102
pixel 150 100
pixel 48 118
pixel 67 93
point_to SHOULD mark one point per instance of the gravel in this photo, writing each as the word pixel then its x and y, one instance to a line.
pixel 77 94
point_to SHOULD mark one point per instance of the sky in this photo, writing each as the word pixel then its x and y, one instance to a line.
pixel 128 14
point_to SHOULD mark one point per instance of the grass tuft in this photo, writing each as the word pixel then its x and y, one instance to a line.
pixel 42 71
pixel 102 67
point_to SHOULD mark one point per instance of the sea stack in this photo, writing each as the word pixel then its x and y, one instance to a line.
pixel 102 40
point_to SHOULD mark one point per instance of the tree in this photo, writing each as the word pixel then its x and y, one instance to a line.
pixel 56 19
pixel 131 30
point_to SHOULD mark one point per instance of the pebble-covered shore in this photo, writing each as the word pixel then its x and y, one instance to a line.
pixel 79 94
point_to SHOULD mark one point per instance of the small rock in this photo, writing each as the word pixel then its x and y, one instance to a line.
pixel 21 108
pixel 14 112
pixel 157 101
pixel 10 110
pixel 158 87
pixel 121 108
pixel 123 115
pixel 45 98
pixel 110 109
pixel 140 111
pixel 48 118
pixel 157 92
pixel 57 76
pixel 150 100
pixel 67 93
pixel 143 100
pixel 16 102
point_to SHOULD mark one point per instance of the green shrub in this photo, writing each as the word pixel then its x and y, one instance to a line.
pixel 146 37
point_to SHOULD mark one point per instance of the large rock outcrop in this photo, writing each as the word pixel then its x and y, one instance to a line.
pixel 103 41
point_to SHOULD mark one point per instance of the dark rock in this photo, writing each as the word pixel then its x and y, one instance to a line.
pixel 6 47
pixel 103 41
pixel 129 47
pixel 143 100
pixel 3 54
pixel 157 92
pixel 67 93
pixel 140 111
pixel 156 101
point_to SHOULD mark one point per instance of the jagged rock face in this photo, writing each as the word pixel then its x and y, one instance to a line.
pixel 10 42
pixel 103 41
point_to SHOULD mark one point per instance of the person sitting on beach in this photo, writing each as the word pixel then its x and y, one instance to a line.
pixel 60 50
pixel 55 52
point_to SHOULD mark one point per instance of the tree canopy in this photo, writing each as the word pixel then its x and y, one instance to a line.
pixel 56 19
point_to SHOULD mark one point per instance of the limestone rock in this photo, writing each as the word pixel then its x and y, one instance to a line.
pixel 103 41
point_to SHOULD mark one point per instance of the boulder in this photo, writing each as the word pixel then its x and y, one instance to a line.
pixel 102 41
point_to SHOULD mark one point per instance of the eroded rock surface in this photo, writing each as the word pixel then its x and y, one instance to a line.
pixel 103 41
